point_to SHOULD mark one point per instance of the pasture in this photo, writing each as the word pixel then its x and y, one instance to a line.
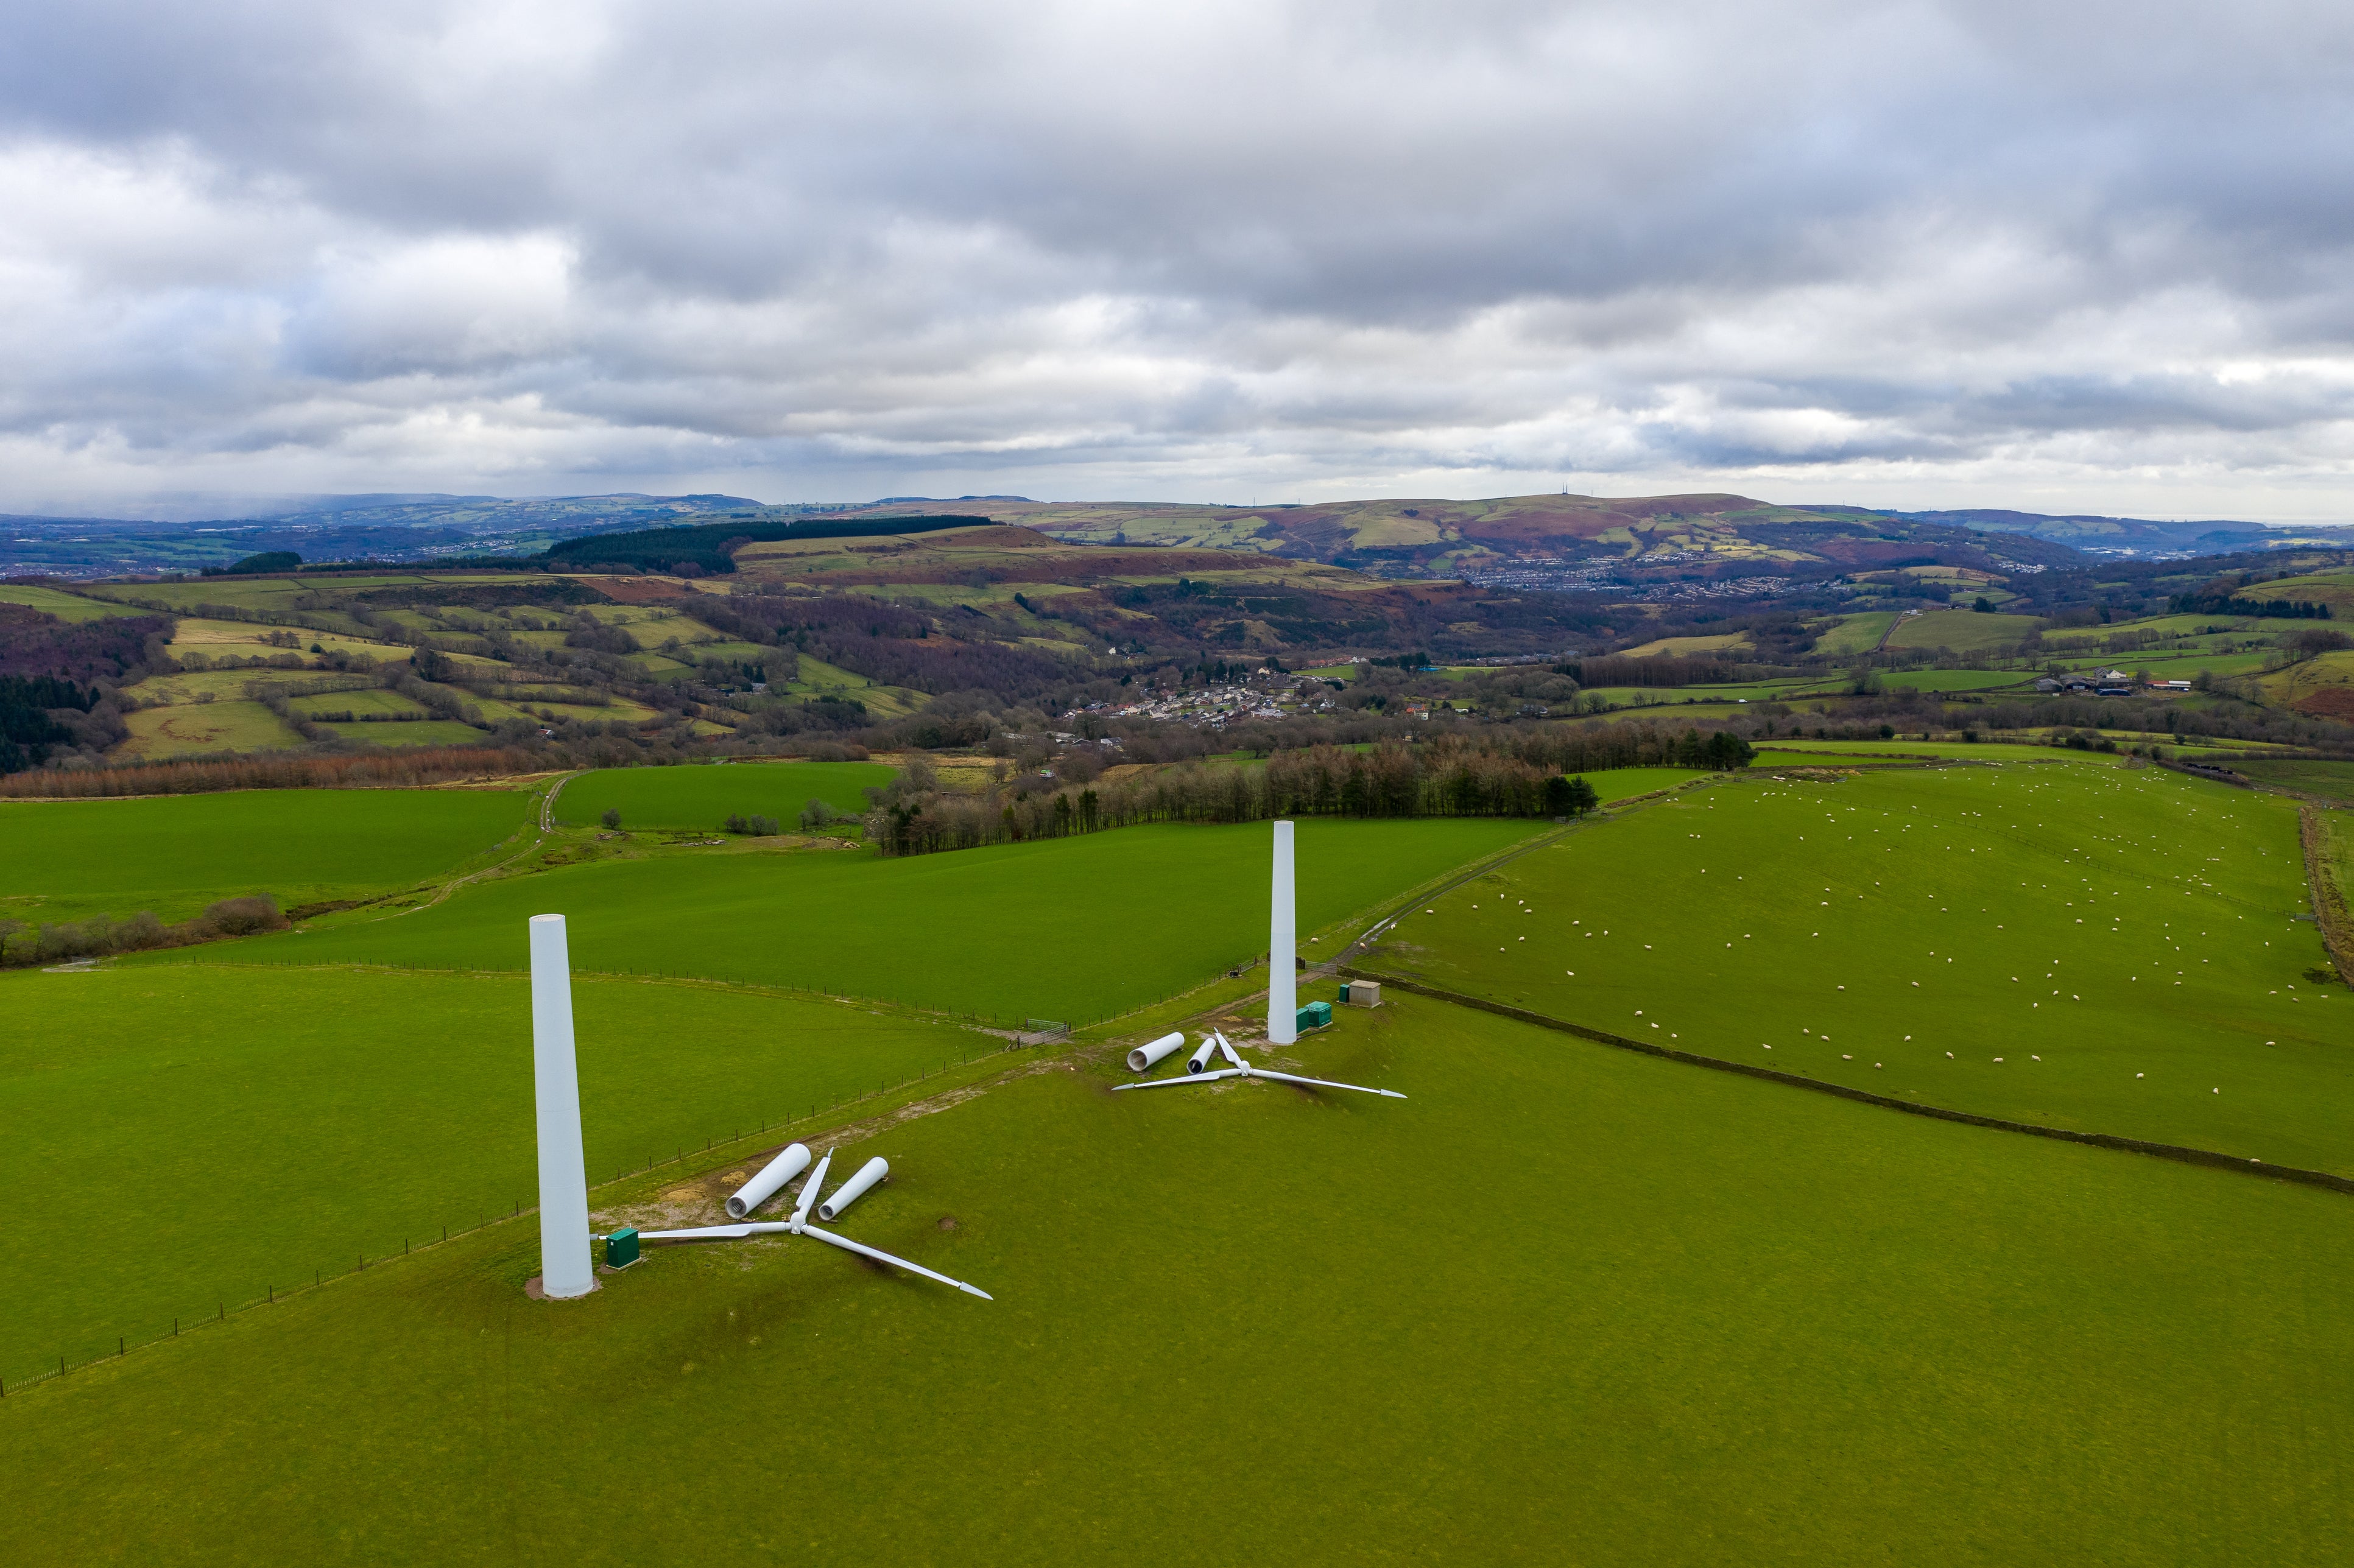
pixel 1858 633
pixel 195 728
pixel 1955 680
pixel 2097 948
pixel 1073 929
pixel 1616 784
pixel 208 638
pixel 183 1134
pixel 421 732
pixel 173 854
pixel 64 605
pixel 2332 780
pixel 1564 1304
pixel 704 795
pixel 1963 630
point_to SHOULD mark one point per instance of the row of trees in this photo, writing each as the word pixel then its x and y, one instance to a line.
pixel 281 771
pixel 101 935
pixel 1477 776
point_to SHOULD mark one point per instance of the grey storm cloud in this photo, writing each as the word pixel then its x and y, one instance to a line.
pixel 1909 249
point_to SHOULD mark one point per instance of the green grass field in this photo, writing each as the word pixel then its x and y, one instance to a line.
pixel 1625 783
pixel 192 728
pixel 422 732
pixel 1857 633
pixel 706 796
pixel 364 701
pixel 1955 680
pixel 1964 630
pixel 190 1134
pixel 2110 922
pixel 1798 758
pixel 1068 928
pixel 64 605
pixel 2333 780
pixel 1736 692
pixel 1564 1304
pixel 175 854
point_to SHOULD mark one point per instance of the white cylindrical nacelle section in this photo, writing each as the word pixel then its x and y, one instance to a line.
pixel 1144 1055
pixel 850 1192
pixel 565 1269
pixel 1201 1054
pixel 1282 980
pixel 775 1174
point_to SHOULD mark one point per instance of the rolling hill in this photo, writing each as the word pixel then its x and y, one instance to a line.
pixel 1537 541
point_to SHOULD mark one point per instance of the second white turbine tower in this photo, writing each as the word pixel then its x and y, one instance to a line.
pixel 1282 986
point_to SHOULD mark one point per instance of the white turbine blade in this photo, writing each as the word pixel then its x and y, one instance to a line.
pixel 718 1233
pixel 808 1192
pixel 846 1244
pixel 1188 1078
pixel 1227 1046
pixel 1324 1083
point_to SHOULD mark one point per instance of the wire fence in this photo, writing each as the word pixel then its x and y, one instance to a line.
pixel 1003 1023
pixel 362 1261
pixel 322 1276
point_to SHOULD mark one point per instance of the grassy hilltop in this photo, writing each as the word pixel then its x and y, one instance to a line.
pixel 1564 1302
pixel 2125 942
pixel 1074 930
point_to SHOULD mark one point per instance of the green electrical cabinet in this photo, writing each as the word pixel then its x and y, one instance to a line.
pixel 622 1249
pixel 1315 1015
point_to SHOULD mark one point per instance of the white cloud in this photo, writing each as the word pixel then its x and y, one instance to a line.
pixel 2080 257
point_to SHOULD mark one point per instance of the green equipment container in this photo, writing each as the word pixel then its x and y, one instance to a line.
pixel 1315 1015
pixel 622 1249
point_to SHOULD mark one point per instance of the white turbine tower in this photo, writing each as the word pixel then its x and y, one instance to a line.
pixel 1282 983
pixel 564 1267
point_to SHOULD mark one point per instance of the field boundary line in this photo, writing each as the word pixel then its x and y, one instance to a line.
pixel 697 1161
pixel 971 1020
pixel 2328 905
pixel 2179 1153
pixel 1448 881
pixel 546 805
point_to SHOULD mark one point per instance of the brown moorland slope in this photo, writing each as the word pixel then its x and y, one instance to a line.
pixel 1699 534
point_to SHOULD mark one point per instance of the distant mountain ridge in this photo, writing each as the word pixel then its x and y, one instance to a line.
pixel 2138 535
pixel 1534 540
pixel 1727 533
pixel 369 528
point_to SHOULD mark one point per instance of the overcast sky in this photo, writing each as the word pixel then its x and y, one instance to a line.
pixel 2073 256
